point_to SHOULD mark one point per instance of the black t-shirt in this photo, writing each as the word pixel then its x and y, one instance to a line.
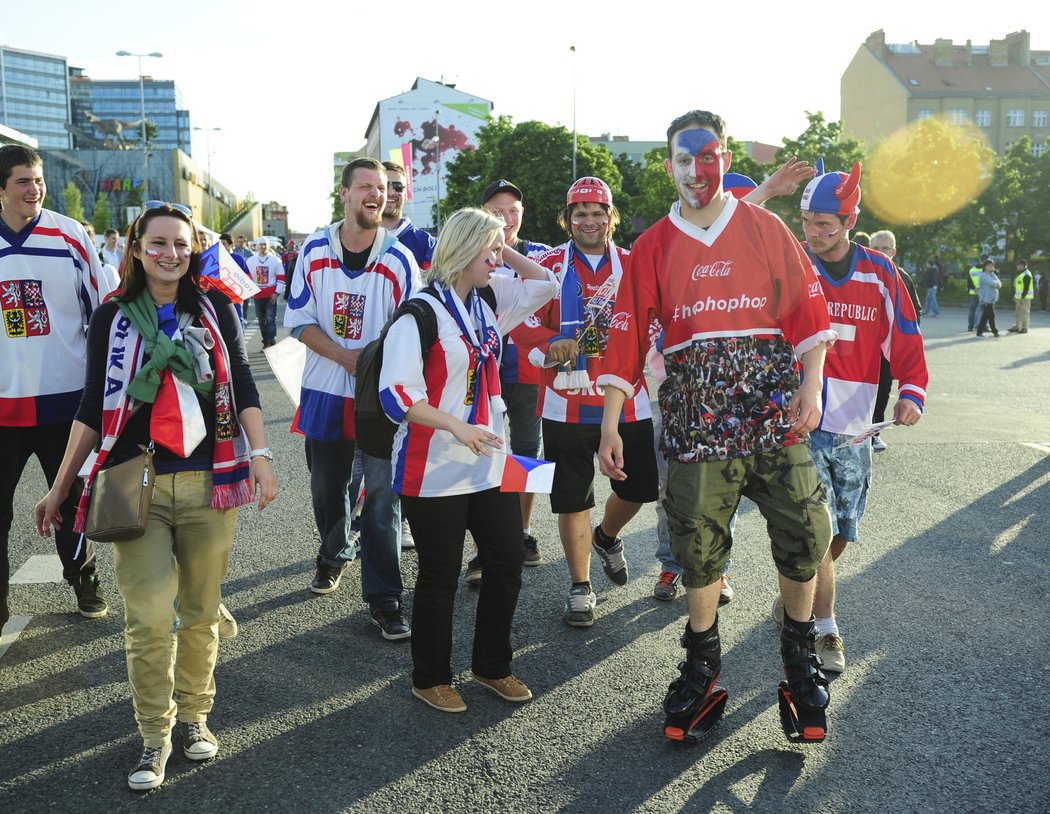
pixel 137 430
pixel 355 261
pixel 838 269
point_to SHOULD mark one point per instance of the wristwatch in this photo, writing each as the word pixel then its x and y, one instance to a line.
pixel 262 452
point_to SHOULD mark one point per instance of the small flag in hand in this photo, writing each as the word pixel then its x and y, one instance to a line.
pixel 521 474
pixel 219 270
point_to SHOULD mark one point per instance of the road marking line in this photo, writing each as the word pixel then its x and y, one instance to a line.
pixel 12 630
pixel 1041 447
pixel 39 568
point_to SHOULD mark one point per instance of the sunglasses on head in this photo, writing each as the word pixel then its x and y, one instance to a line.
pixel 185 210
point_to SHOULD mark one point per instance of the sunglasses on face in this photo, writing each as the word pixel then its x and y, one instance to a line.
pixel 397 186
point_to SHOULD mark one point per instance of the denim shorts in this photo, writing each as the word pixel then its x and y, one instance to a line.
pixel 846 475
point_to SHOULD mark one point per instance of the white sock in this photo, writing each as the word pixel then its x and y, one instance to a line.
pixel 527 530
pixel 824 626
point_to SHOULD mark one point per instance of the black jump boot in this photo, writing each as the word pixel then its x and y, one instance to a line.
pixel 804 696
pixel 694 701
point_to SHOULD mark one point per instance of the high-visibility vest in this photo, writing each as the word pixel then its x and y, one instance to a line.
pixel 1019 285
pixel 975 278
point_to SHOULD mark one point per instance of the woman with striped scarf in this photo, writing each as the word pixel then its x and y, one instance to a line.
pixel 167 366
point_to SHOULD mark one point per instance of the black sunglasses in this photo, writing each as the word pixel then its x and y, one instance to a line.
pixel 397 186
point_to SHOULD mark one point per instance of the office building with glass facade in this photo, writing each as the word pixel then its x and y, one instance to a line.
pixel 34 96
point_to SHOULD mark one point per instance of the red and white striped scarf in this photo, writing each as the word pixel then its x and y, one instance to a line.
pixel 125 351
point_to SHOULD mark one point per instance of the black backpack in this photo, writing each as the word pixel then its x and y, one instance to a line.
pixel 375 431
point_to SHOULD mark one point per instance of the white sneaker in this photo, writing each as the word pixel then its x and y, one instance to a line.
pixel 832 652
pixel 877 443
pixel 408 542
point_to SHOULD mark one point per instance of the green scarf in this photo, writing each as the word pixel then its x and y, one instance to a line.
pixel 163 352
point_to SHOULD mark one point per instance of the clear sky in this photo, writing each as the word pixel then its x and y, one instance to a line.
pixel 290 83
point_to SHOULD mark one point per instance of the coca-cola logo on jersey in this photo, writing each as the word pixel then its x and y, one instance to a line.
pixel 720 268
pixel 621 321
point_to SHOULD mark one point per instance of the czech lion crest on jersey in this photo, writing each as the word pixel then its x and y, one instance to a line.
pixel 25 313
pixel 348 315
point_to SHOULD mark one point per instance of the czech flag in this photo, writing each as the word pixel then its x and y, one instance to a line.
pixel 218 270
pixel 521 474
pixel 177 422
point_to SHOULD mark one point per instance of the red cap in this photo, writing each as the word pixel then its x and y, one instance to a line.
pixel 589 190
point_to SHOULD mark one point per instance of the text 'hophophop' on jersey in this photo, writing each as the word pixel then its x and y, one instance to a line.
pixel 738 303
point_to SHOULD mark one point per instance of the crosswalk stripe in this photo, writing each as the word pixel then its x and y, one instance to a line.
pixel 37 569
pixel 12 630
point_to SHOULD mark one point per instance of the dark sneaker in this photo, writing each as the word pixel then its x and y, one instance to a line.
pixel 327 577
pixel 227 624
pixel 90 602
pixel 579 607
pixel 390 619
pixel 198 742
pixel 532 551
pixel 149 771
pixel 614 563
pixel 473 575
pixel 667 585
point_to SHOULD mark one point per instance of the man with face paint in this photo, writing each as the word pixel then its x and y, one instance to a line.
pixel 566 339
pixel 871 311
pixel 518 379
pixel 740 305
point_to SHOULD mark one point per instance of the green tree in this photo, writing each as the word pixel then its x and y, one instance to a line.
pixel 656 189
pixel 338 209
pixel 537 158
pixel 103 217
pixel 74 204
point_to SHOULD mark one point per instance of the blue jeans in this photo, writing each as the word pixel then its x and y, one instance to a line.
pixel 266 313
pixel 971 317
pixel 932 308
pixel 331 466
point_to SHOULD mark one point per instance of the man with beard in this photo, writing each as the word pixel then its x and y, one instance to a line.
pixel 353 275
pixel 567 339
pixel 735 294
pixel 416 240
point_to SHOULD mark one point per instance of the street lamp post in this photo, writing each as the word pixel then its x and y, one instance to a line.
pixel 572 48
pixel 207 190
pixel 142 102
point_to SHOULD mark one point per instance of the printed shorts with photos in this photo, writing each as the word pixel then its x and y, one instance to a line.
pixel 572 447
pixel 846 475
pixel 702 498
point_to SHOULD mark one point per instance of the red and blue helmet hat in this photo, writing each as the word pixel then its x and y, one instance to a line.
pixel 737 185
pixel 834 192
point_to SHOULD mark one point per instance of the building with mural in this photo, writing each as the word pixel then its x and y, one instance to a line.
pixel 423 130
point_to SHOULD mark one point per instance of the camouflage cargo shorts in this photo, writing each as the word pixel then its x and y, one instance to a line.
pixel 702 497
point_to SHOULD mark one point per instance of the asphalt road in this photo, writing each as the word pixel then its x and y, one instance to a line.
pixel 943 607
